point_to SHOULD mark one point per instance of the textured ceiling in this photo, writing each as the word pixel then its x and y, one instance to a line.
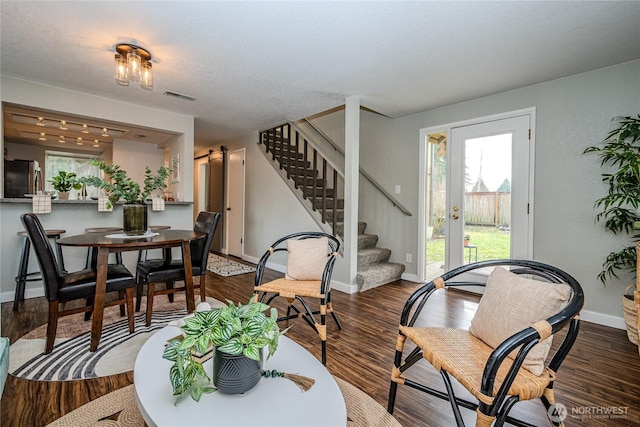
pixel 253 64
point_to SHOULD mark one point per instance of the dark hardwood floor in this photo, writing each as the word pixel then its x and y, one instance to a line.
pixel 600 374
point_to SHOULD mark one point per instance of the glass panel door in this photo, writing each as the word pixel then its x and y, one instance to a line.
pixel 488 205
pixel 436 204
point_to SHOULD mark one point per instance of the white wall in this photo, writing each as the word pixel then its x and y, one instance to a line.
pixel 133 157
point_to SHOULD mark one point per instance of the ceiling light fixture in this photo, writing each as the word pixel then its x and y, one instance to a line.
pixel 85 129
pixel 62 139
pixel 43 136
pixel 133 63
pixel 105 132
pixel 79 141
pixel 63 125
pixel 40 121
pixel 96 143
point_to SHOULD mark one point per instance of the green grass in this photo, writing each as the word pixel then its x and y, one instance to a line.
pixel 492 244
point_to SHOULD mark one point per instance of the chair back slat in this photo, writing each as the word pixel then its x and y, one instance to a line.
pixel 207 222
pixel 51 274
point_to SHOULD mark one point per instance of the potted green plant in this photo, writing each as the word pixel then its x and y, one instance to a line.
pixel 120 186
pixel 618 209
pixel 65 182
pixel 466 240
pixel 232 333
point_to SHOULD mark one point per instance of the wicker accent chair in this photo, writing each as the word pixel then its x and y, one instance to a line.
pixel 60 287
pixel 168 271
pixel 530 301
pixel 310 260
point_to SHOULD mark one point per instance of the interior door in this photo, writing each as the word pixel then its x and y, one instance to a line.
pixel 235 203
pixel 488 197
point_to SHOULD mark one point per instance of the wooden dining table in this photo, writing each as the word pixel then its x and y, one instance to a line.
pixel 105 243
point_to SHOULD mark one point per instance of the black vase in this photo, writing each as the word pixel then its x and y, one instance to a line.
pixel 235 374
pixel 134 219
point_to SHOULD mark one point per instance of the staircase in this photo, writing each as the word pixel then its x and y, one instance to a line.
pixel 318 185
pixel 374 268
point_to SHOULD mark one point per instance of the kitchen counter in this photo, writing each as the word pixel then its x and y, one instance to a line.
pixel 73 216
pixel 79 202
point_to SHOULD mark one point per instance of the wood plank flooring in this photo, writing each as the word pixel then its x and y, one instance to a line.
pixel 600 373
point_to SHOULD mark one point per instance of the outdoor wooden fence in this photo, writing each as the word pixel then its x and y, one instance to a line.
pixel 487 208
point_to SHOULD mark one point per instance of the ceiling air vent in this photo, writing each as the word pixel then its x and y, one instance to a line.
pixel 180 95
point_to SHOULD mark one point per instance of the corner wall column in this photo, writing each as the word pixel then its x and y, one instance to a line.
pixel 351 183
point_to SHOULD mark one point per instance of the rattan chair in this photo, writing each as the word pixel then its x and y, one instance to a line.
pixel 297 285
pixel 497 376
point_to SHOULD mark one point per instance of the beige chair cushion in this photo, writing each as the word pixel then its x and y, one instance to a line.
pixel 510 304
pixel 307 258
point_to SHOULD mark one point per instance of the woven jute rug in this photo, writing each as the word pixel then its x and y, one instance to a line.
pixel 226 267
pixel 71 358
pixel 119 409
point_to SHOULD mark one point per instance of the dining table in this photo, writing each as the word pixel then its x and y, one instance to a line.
pixel 104 243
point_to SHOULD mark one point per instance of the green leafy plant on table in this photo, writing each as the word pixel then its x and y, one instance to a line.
pixel 620 153
pixel 120 186
pixel 241 329
pixel 66 181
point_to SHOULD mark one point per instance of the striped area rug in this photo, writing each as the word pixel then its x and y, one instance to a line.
pixel 71 358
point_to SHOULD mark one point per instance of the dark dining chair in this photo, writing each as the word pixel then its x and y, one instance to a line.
pixel 60 288
pixel 169 271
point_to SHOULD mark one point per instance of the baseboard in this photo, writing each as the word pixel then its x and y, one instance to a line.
pixel 28 293
pixel 587 316
pixel 252 259
pixel 410 277
pixel 603 319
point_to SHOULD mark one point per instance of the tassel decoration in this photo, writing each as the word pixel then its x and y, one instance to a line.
pixel 305 383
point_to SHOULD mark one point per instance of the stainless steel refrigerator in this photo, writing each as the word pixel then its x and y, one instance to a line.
pixel 21 178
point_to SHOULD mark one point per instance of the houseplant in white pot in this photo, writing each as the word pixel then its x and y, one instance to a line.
pixel 64 182
pixel 237 333
pixel 120 186
pixel 618 209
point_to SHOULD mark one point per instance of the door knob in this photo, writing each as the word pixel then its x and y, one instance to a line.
pixel 455 216
pixel 456 208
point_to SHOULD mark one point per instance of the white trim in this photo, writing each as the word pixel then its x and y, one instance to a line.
pixel 201 171
pixel 410 277
pixel 243 152
pixel 587 316
pixel 603 319
pixel 422 159
pixel 28 293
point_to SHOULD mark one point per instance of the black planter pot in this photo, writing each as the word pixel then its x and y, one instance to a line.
pixel 134 219
pixel 235 374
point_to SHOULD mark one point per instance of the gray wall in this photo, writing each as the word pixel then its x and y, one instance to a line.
pixel 571 114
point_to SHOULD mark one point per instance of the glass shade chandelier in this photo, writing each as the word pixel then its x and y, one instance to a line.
pixel 133 64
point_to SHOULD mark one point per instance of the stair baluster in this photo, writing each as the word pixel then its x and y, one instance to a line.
pixel 298 157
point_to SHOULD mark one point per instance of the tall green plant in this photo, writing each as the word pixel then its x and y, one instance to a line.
pixel 120 186
pixel 618 209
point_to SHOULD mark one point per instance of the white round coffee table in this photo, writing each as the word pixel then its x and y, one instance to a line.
pixel 273 402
